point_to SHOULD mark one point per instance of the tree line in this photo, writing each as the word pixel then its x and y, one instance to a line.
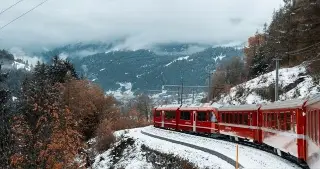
pixel 292 36
pixel 54 115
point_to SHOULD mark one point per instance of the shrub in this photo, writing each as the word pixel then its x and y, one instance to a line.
pixel 268 93
pixel 105 136
pixel 240 91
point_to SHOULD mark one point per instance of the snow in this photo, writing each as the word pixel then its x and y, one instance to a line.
pixel 18 65
pixel 178 59
pixel 138 76
pixel 287 76
pixel 14 98
pixel 133 157
pixel 19 53
pixel 220 57
pixel 120 94
pixel 248 157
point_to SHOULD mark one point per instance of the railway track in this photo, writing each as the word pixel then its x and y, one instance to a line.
pixel 261 147
pixel 215 153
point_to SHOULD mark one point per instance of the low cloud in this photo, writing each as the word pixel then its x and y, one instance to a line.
pixel 141 22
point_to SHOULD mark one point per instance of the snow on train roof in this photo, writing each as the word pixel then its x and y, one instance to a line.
pixel 294 103
pixel 239 107
pixel 313 99
pixel 196 106
pixel 168 106
pixel 199 106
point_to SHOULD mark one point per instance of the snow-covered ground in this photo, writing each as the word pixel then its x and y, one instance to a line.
pixel 123 93
pixel 135 158
pixel 178 59
pixel 287 76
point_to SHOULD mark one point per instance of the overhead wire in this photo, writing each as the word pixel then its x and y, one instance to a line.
pixel 10 7
pixel 302 50
pixel 2 27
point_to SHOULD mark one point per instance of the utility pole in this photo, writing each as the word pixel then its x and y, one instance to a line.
pixel 277 79
pixel 181 90
pixel 178 95
pixel 192 96
pixel 209 86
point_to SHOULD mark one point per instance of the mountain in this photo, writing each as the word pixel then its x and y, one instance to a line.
pixel 150 68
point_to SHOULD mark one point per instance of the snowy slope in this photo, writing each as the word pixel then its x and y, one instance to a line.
pixel 134 158
pixel 248 157
pixel 18 65
pixel 293 79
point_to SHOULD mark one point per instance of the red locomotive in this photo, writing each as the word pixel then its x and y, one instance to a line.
pixel 289 128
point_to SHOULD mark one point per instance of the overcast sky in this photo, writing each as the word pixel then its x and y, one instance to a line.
pixel 58 22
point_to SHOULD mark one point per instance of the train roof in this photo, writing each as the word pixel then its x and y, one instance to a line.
pixel 199 106
pixel 248 107
pixel 313 99
pixel 168 107
pixel 287 104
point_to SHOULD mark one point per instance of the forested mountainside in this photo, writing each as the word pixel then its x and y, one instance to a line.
pixel 145 68
pixel 293 37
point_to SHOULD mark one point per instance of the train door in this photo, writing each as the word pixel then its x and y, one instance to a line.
pixel 194 121
pixel 162 118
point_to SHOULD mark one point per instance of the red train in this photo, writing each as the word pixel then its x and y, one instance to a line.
pixel 288 128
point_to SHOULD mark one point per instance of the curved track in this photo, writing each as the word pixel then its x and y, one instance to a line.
pixel 245 143
pixel 215 153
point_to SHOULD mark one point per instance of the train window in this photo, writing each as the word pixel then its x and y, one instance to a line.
pixel 293 122
pixel 240 118
pixel 170 115
pixel 318 127
pixel 227 118
pixel 185 115
pixel 213 117
pixel 308 123
pixel 269 120
pixel 313 125
pixel 288 121
pixel 158 113
pixel 245 118
pixel 202 116
pixel 265 120
pixel 281 121
pixel 223 117
pixel 236 118
pixel 274 120
pixel 313 118
pixel 231 118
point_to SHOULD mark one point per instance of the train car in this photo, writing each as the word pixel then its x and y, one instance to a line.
pixel 313 132
pixel 198 118
pixel 165 116
pixel 283 125
pixel 240 122
pixel 289 127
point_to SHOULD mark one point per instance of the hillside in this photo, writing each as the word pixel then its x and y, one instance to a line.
pixel 294 83
pixel 145 69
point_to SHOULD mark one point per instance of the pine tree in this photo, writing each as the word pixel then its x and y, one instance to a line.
pixel 5 140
